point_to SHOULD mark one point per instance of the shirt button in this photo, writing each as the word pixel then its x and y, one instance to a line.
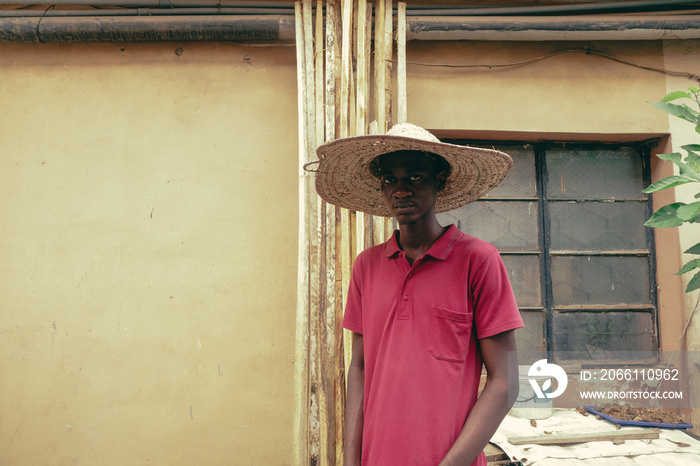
pixel 405 298
pixel 410 275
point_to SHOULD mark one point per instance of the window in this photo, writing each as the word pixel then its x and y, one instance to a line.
pixel 568 221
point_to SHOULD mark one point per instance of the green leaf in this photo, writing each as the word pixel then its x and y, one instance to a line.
pixel 674 157
pixel 689 212
pixel 687 267
pixel 675 95
pixel 684 169
pixel 693 89
pixel 690 147
pixel 665 217
pixel 694 250
pixel 680 111
pixel 694 283
pixel 668 182
pixel 693 160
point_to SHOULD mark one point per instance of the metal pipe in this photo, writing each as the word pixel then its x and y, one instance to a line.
pixel 142 12
pixel 570 9
pixel 417 10
pixel 547 28
pixel 148 29
pixel 18 13
pixel 156 3
pixel 280 28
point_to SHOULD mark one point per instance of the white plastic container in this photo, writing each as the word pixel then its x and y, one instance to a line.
pixel 528 405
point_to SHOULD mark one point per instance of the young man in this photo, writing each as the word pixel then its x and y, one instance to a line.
pixel 428 307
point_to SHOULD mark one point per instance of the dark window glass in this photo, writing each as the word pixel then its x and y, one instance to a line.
pixel 595 335
pixel 603 173
pixel 568 221
pixel 597 226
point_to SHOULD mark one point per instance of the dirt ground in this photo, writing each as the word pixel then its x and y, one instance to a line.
pixel 639 414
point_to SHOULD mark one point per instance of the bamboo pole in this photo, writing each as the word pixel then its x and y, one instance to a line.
pixel 331 404
pixel 345 66
pixel 300 451
pixel 339 340
pixel 330 70
pixel 402 114
pixel 362 70
pixel 318 68
pixel 315 395
pixel 368 63
pixel 379 66
pixel 326 229
pixel 388 63
pixel 346 52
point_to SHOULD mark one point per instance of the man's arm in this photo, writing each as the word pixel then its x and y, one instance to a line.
pixel 493 403
pixel 354 410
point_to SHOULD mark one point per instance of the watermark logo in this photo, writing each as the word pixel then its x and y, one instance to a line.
pixel 543 370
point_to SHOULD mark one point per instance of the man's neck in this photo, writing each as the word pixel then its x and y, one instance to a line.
pixel 416 238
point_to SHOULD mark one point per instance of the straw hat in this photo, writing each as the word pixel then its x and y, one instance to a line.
pixel 343 177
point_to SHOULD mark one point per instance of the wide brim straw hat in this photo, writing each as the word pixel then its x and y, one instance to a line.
pixel 343 177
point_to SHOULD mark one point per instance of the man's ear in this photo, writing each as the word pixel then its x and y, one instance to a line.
pixel 441 180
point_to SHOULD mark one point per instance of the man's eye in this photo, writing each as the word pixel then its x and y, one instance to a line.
pixel 387 180
pixel 415 177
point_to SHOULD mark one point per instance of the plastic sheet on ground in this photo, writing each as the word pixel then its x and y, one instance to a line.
pixel 665 450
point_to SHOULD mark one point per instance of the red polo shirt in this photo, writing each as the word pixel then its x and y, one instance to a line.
pixel 420 326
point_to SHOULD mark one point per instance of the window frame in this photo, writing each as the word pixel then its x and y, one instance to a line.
pixel 645 149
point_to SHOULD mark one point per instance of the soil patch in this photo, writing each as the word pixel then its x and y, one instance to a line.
pixel 639 414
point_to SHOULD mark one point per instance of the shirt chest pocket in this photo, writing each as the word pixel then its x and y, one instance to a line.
pixel 448 335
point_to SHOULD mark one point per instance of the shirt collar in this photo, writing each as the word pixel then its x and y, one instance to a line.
pixel 440 250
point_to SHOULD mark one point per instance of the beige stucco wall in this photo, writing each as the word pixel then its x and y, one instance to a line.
pixel 685 55
pixel 148 196
pixel 566 93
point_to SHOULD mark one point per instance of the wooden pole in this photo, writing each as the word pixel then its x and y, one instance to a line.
pixel 402 114
pixel 388 63
pixel 379 66
pixel 346 53
pixel 362 70
pixel 368 64
pixel 330 70
pixel 339 340
pixel 315 395
pixel 300 451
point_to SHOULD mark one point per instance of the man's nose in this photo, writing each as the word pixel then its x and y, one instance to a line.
pixel 402 193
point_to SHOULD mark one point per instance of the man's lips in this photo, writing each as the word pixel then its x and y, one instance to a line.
pixel 403 206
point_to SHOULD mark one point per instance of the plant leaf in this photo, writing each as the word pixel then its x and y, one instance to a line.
pixel 694 250
pixel 693 161
pixel 687 267
pixel 668 182
pixel 684 169
pixel 675 95
pixel 689 212
pixel 665 217
pixel 674 157
pixel 680 111
pixel 694 283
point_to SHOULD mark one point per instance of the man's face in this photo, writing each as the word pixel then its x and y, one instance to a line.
pixel 409 185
